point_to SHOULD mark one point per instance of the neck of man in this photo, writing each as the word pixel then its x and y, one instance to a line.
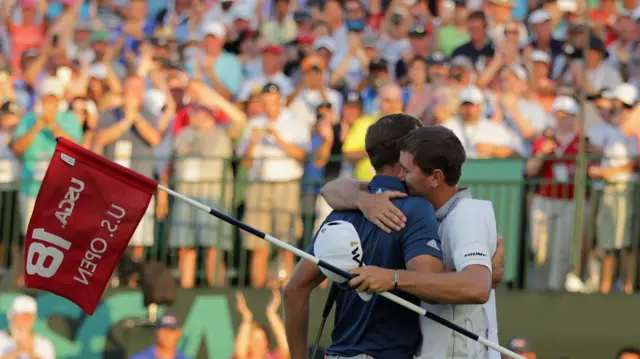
pixel 443 196
pixel 471 121
pixel 165 353
pixel 479 42
pixel 270 72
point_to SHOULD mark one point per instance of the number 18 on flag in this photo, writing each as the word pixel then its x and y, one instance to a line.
pixel 84 216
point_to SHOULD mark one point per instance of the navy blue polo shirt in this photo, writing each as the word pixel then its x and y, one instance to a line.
pixel 150 353
pixel 379 327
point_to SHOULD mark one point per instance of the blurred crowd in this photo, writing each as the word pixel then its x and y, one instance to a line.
pixel 250 105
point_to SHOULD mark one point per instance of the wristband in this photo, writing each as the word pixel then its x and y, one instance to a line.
pixel 396 279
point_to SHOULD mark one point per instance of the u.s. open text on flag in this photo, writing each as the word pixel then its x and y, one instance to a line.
pixel 86 211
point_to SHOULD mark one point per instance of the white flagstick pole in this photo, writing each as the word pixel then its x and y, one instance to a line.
pixel 300 253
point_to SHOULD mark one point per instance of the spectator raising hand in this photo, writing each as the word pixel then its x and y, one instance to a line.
pixel 253 341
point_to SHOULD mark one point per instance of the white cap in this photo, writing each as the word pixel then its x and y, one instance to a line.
pixel 338 244
pixel 518 70
pixel 565 104
pixel 214 28
pixel 471 94
pixel 540 56
pixel 98 70
pixel 241 13
pixel 567 5
pixel 539 16
pixel 23 304
pixel 636 14
pixel 626 13
pixel 324 42
pixel 626 93
pixel 52 86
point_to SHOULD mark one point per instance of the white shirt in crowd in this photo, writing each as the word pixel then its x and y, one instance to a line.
pixel 484 131
pixel 42 346
pixel 305 104
pixel 281 80
pixel 467 230
pixel 618 149
pixel 270 162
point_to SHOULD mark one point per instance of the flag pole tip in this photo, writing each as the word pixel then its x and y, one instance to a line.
pixel 58 139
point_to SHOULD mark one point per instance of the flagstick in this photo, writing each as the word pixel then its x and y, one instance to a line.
pixel 300 253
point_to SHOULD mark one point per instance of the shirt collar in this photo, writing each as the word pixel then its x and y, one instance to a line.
pixel 387 182
pixel 443 211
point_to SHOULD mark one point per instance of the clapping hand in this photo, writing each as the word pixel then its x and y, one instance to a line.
pixel 274 304
pixel 243 309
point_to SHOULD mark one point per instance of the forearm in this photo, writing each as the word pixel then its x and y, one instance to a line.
pixel 527 131
pixel 22 143
pixel 322 156
pixel 241 346
pixel 148 132
pixel 217 85
pixel 247 156
pixel 463 287
pixel 338 74
pixel 343 194
pixel 111 134
pixel 279 333
pixel 291 150
pixel 533 166
pixel 296 321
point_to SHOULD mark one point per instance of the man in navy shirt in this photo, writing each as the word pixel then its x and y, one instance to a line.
pixel 168 333
pixel 376 328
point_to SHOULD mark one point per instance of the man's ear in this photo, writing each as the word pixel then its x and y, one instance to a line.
pixel 397 171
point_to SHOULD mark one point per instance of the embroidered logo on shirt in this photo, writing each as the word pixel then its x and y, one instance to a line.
pixel 433 244
pixel 475 254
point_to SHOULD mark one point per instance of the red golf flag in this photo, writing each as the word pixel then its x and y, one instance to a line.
pixel 85 214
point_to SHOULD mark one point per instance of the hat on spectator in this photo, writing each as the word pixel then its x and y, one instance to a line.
pixel 51 86
pixel 540 56
pixel 270 87
pixel 9 108
pixel 626 93
pixel 567 5
pixel 273 49
pixel 436 58
pixel 306 39
pixel 419 30
pixel 324 104
pixel 472 95
pixel 168 321
pixel 636 14
pixel 98 71
pixel 324 42
pixel 463 62
pixel 214 28
pixel 369 40
pixel 83 25
pixel 596 44
pixel 606 93
pixel 625 13
pixel 28 4
pixel 539 16
pixel 302 16
pixel 508 3
pixel 519 345
pixel 99 36
pixel 517 70
pixel 23 304
pixel 338 244
pixel 460 2
pixel 565 104
pixel 241 13
pixel 352 98
pixel 378 64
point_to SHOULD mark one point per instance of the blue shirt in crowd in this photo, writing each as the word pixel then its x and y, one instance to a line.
pixel 379 327
pixel 313 175
pixel 150 353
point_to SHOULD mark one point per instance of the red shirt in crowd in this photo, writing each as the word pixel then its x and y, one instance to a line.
pixel 556 175
pixel 182 119
pixel 23 38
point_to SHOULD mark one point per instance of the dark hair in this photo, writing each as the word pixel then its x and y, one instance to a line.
pixel 628 350
pixel 478 15
pixel 383 136
pixel 436 147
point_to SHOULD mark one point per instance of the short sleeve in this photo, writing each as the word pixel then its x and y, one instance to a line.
pixel 355 139
pixel 230 73
pixel 537 145
pixel 71 125
pixel 26 122
pixel 420 237
pixel 472 234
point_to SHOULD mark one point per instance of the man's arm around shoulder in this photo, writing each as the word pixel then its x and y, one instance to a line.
pixel 306 277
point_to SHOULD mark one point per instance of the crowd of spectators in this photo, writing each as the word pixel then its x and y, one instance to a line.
pixel 253 104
